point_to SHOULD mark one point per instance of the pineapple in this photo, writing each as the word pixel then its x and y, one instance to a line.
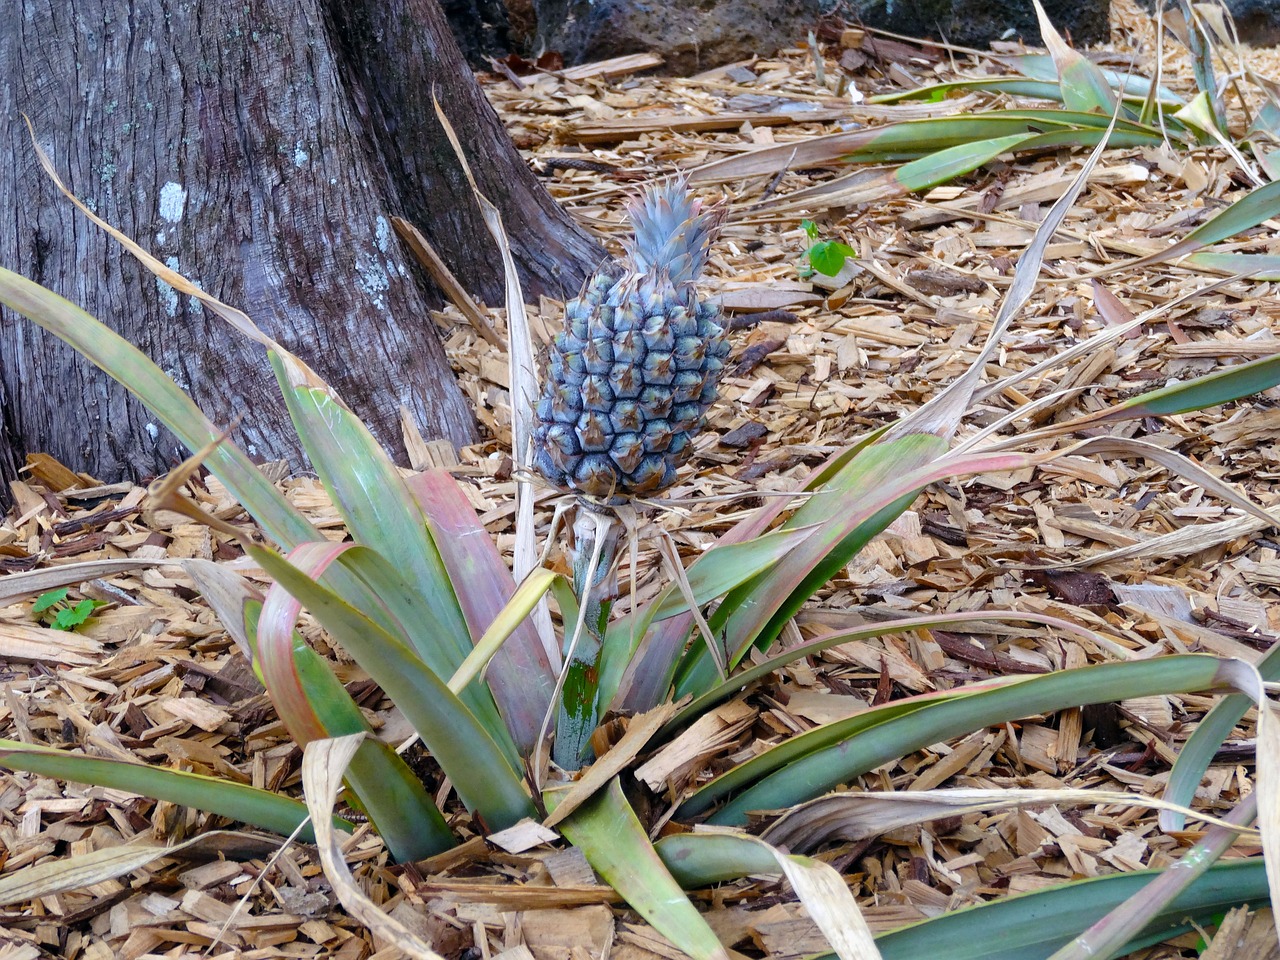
pixel 631 375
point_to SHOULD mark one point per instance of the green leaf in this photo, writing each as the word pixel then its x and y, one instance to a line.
pixel 483 776
pixel 47 600
pixel 1084 87
pixel 1257 266
pixel 1199 393
pixel 828 256
pixel 1205 741
pixel 1028 926
pixel 713 574
pixel 817 760
pixel 127 365
pixel 226 798
pixel 377 506
pixel 1031 926
pixel 952 162
pixel 738 681
pixel 936 92
pixel 1040 66
pixel 69 618
pixel 612 839
pixel 867 495
pixel 910 139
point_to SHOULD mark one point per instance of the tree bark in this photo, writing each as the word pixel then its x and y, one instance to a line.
pixel 260 148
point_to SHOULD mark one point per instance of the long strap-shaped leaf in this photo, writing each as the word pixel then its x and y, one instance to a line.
pixel 700 705
pixel 126 364
pixel 1028 926
pixel 816 761
pixel 236 801
pixel 610 836
pixel 711 575
pixel 478 767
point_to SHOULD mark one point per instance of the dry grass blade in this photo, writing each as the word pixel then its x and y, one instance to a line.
pixel 856 816
pixel 237 318
pixel 323 764
pixel 446 281
pixel 942 414
pixel 72 873
pixel 826 897
pixel 640 731
pixel 523 378
pixel 226 592
pixel 20 586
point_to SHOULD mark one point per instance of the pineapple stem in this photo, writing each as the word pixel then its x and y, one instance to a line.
pixel 596 536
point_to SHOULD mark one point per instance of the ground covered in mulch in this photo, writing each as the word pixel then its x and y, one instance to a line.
pixel 1140 554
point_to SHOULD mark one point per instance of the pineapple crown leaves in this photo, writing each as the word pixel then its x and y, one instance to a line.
pixel 672 233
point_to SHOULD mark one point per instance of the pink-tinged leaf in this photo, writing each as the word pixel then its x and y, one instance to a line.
pixel 314 705
pixel 484 777
pixel 276 625
pixel 520 674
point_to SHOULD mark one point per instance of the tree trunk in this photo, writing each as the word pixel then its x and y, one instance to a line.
pixel 259 148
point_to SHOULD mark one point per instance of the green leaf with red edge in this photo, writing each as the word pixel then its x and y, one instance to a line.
pixel 381 513
pixel 226 798
pixel 314 705
pixel 868 494
pixel 481 772
pixel 817 760
pixel 651 666
pixel 519 674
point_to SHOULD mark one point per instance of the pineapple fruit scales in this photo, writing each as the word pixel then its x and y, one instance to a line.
pixel 631 375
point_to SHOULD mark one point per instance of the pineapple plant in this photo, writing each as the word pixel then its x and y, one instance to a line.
pixel 631 375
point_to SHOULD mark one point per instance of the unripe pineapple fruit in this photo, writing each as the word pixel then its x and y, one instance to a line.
pixel 631 375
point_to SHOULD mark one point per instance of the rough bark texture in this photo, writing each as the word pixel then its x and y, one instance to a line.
pixel 419 161
pixel 238 142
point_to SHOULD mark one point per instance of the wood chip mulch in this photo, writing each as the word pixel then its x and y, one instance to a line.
pixel 153 676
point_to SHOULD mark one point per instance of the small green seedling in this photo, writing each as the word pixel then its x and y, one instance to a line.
pixel 54 610
pixel 825 256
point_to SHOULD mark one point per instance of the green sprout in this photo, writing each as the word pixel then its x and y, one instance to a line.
pixel 54 610
pixel 825 256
